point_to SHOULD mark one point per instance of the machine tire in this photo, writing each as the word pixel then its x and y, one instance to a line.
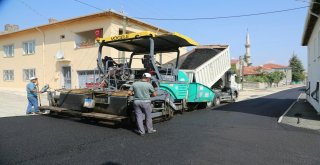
pixel 216 101
pixel 235 96
pixel 132 118
pixel 169 111
pixel 210 104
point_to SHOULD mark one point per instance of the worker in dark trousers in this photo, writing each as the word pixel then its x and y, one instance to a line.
pixel 142 90
pixel 32 94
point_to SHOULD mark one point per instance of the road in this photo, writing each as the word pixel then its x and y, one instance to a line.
pixel 245 132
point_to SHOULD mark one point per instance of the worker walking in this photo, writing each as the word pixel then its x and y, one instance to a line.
pixel 142 103
pixel 32 95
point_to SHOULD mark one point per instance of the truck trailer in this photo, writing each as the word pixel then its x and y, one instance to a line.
pixel 209 65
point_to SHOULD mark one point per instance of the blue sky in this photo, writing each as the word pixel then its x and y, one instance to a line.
pixel 274 37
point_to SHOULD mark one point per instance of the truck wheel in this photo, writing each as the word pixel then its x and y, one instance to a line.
pixel 169 112
pixel 131 121
pixel 234 97
pixel 216 101
pixel 210 104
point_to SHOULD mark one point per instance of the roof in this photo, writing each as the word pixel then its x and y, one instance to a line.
pixel 272 66
pixel 251 70
pixel 100 14
pixel 234 61
pixel 254 70
pixel 310 21
pixel 139 43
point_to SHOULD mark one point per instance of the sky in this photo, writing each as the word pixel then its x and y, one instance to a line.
pixel 274 37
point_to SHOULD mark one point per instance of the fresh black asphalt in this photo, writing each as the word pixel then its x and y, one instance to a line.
pixel 245 132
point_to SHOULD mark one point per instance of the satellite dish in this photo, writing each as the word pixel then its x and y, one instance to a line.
pixel 60 54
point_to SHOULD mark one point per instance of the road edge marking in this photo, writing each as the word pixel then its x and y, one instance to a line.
pixel 281 117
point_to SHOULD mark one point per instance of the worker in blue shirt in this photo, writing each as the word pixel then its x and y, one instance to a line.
pixel 32 94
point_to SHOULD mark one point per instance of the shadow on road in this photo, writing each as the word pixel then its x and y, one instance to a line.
pixel 273 105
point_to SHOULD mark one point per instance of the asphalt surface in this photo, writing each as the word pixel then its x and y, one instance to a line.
pixel 245 132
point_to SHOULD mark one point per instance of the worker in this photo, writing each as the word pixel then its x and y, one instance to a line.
pixel 142 90
pixel 32 95
pixel 108 63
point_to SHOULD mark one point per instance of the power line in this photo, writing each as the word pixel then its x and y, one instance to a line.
pixel 310 2
pixel 87 4
pixel 221 17
pixel 32 9
pixel 205 18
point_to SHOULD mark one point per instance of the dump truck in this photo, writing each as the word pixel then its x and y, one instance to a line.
pixel 209 65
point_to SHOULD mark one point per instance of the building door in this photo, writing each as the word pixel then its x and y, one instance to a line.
pixel 66 72
pixel 87 76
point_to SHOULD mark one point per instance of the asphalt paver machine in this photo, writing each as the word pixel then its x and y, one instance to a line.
pixel 108 100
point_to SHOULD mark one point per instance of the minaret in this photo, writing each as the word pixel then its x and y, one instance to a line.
pixel 247 56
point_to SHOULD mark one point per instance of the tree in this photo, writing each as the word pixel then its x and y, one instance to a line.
pixel 274 77
pixel 297 69
pixel 255 78
pixel 237 72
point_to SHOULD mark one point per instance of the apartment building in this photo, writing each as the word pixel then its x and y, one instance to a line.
pixel 63 53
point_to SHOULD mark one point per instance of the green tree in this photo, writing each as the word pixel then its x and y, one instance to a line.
pixel 274 77
pixel 255 78
pixel 297 69
pixel 237 72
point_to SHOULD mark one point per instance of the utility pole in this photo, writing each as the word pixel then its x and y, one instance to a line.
pixel 124 31
pixel 160 58
pixel 241 71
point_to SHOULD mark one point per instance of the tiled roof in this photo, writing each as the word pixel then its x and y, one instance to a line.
pixel 253 70
pixel 234 61
pixel 100 14
pixel 272 66
pixel 250 70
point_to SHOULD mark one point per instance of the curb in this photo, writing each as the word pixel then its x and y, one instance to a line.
pixel 281 117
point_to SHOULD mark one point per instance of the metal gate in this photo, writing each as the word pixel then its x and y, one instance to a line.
pixel 87 76
pixel 66 72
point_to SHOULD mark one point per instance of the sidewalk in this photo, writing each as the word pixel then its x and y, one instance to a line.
pixel 13 102
pixel 301 114
pixel 248 94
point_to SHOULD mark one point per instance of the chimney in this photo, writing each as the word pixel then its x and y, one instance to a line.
pixel 52 20
pixel 11 28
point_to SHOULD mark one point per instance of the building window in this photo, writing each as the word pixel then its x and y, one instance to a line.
pixel 88 38
pixel 88 78
pixel 28 47
pixel 121 31
pixel 28 73
pixel 8 75
pixel 8 50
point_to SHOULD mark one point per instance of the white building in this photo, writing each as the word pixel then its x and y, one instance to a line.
pixel 311 38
